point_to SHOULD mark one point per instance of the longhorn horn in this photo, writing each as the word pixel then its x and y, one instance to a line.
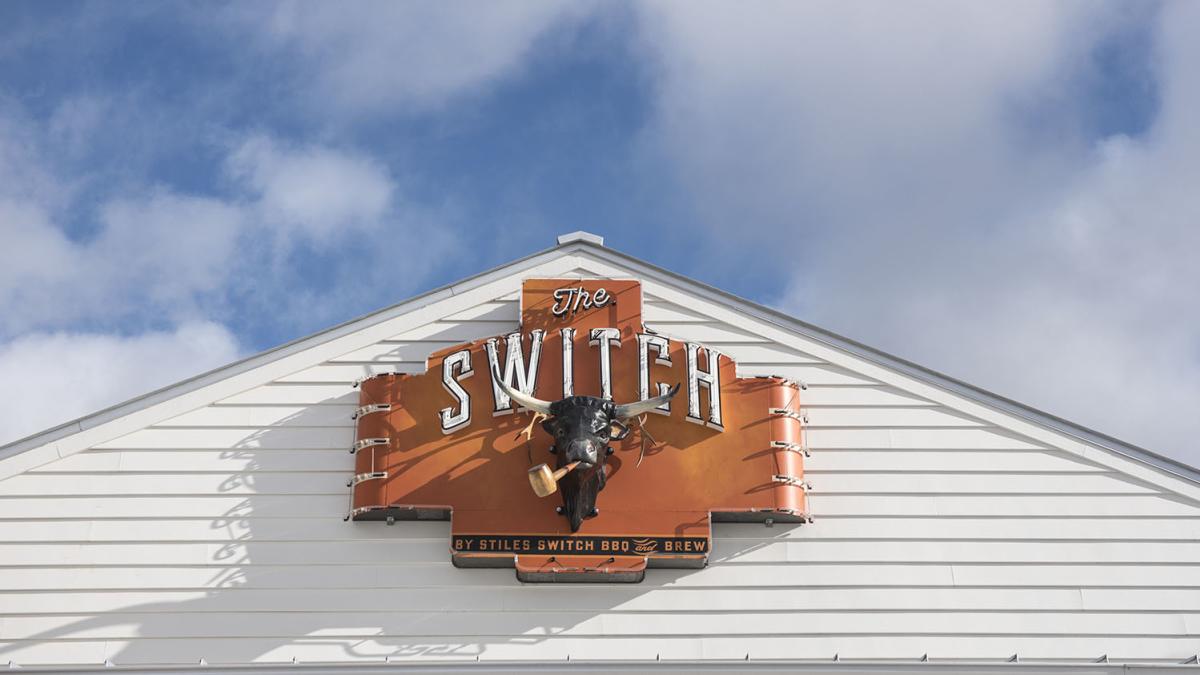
pixel 628 410
pixel 525 400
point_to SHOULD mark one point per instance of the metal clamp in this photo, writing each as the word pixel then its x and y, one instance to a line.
pixel 370 408
pixel 784 412
pixel 364 378
pixel 791 447
pixel 362 509
pixel 368 442
pixel 787 381
pixel 364 477
pixel 791 480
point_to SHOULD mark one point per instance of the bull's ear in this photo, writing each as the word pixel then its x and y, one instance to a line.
pixel 549 425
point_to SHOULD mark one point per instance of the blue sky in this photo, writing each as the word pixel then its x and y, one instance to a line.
pixel 1000 192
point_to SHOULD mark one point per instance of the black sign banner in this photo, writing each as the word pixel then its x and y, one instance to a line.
pixel 580 545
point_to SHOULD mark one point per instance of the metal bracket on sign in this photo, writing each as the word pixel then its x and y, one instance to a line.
pixel 783 412
pixel 370 408
pixel 791 480
pixel 364 477
pixel 791 447
pixel 366 443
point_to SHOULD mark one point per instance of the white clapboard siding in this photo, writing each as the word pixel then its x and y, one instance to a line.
pixel 259 416
pixel 282 438
pixel 508 311
pixel 1051 601
pixel 227 461
pixel 558 649
pixel 296 394
pixel 724 575
pixel 395 351
pixel 899 461
pixel 217 533
pixel 591 623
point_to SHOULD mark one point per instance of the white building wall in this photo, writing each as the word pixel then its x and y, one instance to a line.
pixel 941 528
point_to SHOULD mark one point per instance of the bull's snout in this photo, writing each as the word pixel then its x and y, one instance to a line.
pixel 584 450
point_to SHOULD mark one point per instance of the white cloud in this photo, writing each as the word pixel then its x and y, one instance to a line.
pixel 930 176
pixel 149 251
pixel 317 191
pixel 157 252
pixel 50 378
pixel 370 56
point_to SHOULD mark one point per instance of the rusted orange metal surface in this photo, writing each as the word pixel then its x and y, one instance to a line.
pixel 666 480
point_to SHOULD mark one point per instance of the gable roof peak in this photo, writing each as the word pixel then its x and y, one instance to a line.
pixel 580 235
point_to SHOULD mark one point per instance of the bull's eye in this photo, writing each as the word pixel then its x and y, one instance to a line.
pixel 599 425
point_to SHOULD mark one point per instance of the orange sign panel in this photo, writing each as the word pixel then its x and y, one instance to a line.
pixel 451 443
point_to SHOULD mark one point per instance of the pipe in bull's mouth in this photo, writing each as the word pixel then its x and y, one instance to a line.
pixel 544 481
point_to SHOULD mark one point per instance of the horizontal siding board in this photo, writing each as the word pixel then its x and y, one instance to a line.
pixel 126 485
pixel 501 649
pixel 997 505
pixel 413 351
pixel 225 438
pixel 190 506
pixel 947 461
pixel 1130 553
pixel 968 529
pixel 261 416
pixel 240 460
pixel 504 311
pixel 334 373
pixel 764 353
pixel 577 598
pixel 917 439
pixel 624 599
pixel 227 554
pixel 482 623
pixel 457 331
pixel 703 333
pixel 872 397
pixel 886 417
pixel 329 529
pixel 807 374
pixel 661 311
pixel 442 574
pixel 966 483
pixel 295 394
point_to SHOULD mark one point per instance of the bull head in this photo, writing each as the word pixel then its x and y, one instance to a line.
pixel 582 426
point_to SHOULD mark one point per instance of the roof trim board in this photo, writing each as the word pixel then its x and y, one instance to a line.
pixel 73 436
